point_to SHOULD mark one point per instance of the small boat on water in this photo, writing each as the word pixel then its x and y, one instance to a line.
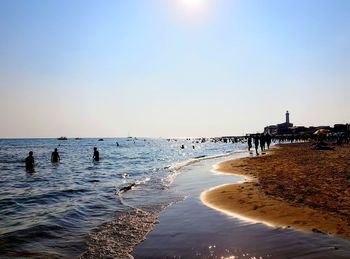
pixel 77 138
pixel 62 138
pixel 101 139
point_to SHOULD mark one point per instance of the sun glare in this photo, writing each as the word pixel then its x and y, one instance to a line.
pixel 192 3
pixel 193 8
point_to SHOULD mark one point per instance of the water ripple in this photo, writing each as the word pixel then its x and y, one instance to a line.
pixel 50 212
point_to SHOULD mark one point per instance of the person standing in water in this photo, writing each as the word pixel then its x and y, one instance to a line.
pixel 96 156
pixel 30 162
pixel 249 142
pixel 55 157
pixel 268 140
pixel 256 144
pixel 262 142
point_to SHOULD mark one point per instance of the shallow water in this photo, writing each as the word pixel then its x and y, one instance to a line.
pixel 51 211
pixel 189 229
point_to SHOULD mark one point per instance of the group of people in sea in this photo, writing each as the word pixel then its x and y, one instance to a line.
pixel 55 158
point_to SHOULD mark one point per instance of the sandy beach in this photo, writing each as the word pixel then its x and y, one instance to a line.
pixel 291 186
pixel 190 229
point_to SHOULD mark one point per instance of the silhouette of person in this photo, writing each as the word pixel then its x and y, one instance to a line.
pixel 30 161
pixel 96 156
pixel 268 140
pixel 262 142
pixel 55 157
pixel 249 142
pixel 256 144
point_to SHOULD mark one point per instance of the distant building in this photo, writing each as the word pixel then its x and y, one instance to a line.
pixel 288 128
pixel 301 130
pixel 282 128
pixel 272 130
pixel 341 127
pixel 285 128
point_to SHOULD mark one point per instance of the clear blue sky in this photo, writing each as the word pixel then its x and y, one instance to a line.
pixel 162 68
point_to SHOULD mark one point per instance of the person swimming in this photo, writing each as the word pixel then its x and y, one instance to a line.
pixel 55 157
pixel 30 162
pixel 96 156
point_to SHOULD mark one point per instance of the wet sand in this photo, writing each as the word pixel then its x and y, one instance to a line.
pixel 291 186
pixel 190 229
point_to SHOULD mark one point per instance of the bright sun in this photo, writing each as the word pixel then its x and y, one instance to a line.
pixel 193 9
pixel 192 3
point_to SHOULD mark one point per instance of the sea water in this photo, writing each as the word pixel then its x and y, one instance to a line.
pixel 51 211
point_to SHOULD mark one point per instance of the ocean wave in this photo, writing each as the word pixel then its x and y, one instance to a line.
pixel 116 238
pixel 175 168
pixel 130 186
pixel 78 194
pixel 50 197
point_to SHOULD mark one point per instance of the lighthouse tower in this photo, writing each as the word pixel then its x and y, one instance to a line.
pixel 287 117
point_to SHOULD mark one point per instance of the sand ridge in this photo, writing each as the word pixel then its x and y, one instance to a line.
pixel 292 186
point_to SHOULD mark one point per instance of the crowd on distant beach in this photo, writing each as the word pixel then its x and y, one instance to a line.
pixel 262 141
pixel 320 140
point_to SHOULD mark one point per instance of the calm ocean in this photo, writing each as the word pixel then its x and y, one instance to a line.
pixel 51 212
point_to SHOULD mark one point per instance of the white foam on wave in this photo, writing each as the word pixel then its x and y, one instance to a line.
pixel 175 168
pixel 143 181
pixel 131 186
pixel 116 238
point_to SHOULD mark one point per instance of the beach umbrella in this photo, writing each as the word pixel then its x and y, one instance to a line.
pixel 321 131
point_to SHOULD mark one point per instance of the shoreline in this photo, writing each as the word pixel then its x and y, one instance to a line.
pixel 118 238
pixel 265 197
pixel 190 229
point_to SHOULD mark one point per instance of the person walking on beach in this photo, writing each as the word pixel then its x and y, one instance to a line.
pixel 249 142
pixel 30 162
pixel 268 140
pixel 96 155
pixel 262 143
pixel 256 144
pixel 55 157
